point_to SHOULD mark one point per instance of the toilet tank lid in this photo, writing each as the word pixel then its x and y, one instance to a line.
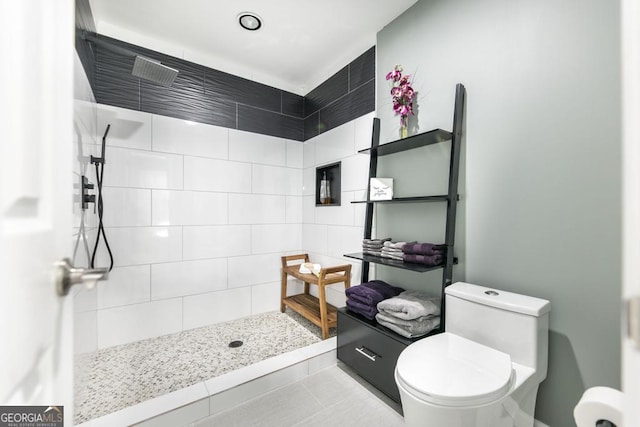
pixel 518 303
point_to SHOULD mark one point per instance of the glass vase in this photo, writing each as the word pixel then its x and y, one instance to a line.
pixel 404 127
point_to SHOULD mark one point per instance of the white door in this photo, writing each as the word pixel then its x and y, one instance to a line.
pixel 36 113
pixel 631 196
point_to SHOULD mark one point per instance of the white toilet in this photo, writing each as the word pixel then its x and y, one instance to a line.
pixel 485 369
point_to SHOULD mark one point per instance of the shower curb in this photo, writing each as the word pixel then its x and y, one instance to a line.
pixel 223 392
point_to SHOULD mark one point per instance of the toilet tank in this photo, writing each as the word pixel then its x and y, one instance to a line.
pixel 512 323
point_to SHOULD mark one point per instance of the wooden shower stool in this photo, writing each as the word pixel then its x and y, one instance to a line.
pixel 317 310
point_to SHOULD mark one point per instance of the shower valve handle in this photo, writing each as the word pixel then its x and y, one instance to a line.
pixel 67 276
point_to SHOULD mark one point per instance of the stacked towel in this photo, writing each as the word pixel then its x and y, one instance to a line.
pixel 363 299
pixel 373 246
pixel 410 314
pixel 424 253
pixel 392 250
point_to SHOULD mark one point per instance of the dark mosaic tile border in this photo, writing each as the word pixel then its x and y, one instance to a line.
pixel 205 95
pixel 85 24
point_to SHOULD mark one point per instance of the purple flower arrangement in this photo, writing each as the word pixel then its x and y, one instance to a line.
pixel 401 94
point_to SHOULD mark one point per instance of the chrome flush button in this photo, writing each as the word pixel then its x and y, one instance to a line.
pixel 491 293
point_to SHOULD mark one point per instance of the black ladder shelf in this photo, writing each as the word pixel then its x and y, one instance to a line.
pixel 363 343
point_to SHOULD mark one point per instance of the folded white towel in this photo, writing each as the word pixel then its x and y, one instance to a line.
pixel 395 245
pixel 308 268
pixel 393 251
pixel 410 305
pixel 409 328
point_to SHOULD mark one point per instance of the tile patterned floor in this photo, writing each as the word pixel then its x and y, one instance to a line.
pixel 114 378
pixel 331 397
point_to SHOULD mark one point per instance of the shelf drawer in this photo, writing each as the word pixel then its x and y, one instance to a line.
pixel 369 352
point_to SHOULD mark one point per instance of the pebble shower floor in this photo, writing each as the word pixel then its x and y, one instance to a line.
pixel 117 377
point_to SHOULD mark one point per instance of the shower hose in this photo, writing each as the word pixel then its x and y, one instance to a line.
pixel 99 165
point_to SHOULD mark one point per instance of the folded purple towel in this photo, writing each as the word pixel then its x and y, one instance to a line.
pixel 431 260
pixel 364 309
pixel 423 248
pixel 372 292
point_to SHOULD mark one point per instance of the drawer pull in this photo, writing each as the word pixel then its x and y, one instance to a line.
pixel 365 352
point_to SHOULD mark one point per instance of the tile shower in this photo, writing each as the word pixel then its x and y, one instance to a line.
pixel 197 217
pixel 198 214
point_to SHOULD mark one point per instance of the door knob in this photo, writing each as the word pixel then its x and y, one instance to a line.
pixel 68 275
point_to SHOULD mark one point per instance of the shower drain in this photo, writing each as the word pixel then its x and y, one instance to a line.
pixel 234 344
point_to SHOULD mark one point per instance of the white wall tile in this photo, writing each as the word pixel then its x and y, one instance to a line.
pixel 126 207
pixel 359 209
pixel 363 130
pixel 265 297
pixel 335 144
pixel 84 298
pixel 257 209
pixel 85 332
pixel 142 169
pixel 275 238
pixel 309 182
pixel 136 322
pixel 216 307
pixel 295 154
pixel 309 154
pixel 172 207
pixel 276 180
pixel 294 209
pixel 256 148
pixel 176 279
pixel 308 209
pixel 336 215
pixel 145 245
pixel 253 269
pixel 343 240
pixel 314 238
pixel 84 146
pixel 196 139
pixel 355 172
pixel 129 128
pixel 216 175
pixel 125 285
pixel 336 296
pixel 216 241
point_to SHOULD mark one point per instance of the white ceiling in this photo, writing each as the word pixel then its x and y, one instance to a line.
pixel 301 42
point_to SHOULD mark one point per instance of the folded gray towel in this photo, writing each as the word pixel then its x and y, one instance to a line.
pixel 375 241
pixel 371 246
pixel 410 305
pixel 409 328
pixel 391 256
pixel 374 253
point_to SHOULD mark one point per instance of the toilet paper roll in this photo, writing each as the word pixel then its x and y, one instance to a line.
pixel 600 403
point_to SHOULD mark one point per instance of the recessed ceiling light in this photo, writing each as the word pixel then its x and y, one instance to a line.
pixel 249 21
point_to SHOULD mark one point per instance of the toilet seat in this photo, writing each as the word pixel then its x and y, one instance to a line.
pixel 450 370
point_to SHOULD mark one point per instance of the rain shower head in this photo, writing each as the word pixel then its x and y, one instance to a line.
pixel 153 70
pixel 143 67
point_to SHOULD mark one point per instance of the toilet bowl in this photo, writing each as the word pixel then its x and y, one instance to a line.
pixel 485 369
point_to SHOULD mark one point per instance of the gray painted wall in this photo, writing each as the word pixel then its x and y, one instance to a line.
pixel 541 188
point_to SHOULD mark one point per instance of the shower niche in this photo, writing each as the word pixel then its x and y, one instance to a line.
pixel 328 185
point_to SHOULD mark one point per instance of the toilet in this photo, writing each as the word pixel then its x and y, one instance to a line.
pixel 485 369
